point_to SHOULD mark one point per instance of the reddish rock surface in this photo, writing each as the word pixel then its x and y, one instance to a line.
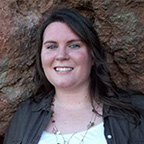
pixel 120 25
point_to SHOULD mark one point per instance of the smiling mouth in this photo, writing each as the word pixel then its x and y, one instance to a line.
pixel 63 69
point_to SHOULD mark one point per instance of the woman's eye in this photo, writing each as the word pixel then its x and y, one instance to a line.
pixel 74 46
pixel 51 47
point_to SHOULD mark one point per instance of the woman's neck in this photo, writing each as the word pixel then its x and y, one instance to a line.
pixel 73 99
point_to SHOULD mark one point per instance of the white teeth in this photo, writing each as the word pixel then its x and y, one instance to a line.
pixel 63 69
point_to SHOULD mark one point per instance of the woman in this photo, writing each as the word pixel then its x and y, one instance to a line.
pixel 76 100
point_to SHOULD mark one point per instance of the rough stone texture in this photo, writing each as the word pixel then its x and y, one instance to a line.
pixel 119 23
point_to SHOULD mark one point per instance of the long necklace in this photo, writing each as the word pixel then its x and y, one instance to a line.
pixel 57 133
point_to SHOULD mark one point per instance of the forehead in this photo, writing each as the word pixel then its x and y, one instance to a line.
pixel 59 30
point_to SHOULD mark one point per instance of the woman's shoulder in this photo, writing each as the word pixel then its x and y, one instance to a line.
pixel 138 100
pixel 134 97
pixel 28 111
pixel 32 105
pixel 25 106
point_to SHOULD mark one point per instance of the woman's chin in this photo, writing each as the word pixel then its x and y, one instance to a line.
pixel 63 85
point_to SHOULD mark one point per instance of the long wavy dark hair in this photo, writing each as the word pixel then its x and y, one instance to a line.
pixel 102 88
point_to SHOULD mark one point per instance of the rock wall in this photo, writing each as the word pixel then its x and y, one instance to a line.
pixel 120 25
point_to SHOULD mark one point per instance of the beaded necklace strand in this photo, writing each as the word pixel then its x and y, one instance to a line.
pixel 57 133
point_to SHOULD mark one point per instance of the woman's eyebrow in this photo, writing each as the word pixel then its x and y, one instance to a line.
pixel 74 40
pixel 49 41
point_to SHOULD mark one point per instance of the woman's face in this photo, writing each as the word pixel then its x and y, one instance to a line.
pixel 65 58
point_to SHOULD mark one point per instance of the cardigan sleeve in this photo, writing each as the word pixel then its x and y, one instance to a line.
pixel 137 131
pixel 14 132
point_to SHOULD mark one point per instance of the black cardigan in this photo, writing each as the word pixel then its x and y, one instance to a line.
pixel 31 119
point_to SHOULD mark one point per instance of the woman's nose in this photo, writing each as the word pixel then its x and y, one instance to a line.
pixel 62 54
